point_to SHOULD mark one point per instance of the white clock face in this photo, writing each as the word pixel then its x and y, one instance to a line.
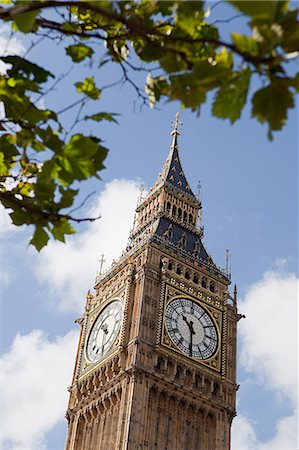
pixel 191 328
pixel 104 331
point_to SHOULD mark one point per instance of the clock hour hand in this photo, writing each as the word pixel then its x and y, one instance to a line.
pixel 104 327
pixel 192 332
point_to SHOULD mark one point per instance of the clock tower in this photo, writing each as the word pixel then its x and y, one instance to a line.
pixel 156 360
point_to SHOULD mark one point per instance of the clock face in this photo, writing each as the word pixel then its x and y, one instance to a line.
pixel 191 328
pixel 104 331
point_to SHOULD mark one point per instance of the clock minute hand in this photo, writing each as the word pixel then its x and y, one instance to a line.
pixel 192 332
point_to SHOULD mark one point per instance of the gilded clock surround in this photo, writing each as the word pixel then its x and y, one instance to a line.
pixel 145 393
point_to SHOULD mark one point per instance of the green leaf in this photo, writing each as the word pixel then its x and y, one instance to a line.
pixel 98 117
pixel 88 88
pixel 271 104
pixel 224 59
pixel 82 157
pixel 25 188
pixel 245 44
pixel 25 22
pixel 40 238
pixel 67 197
pixel 189 15
pixel 209 75
pixel 7 146
pixel 231 97
pixel 295 82
pixel 173 63
pixel 79 52
pixel 50 139
pixel 8 152
pixel 290 38
pixel 263 10
pixel 44 188
pixel 155 88
pixel 35 115
pixel 60 229
pixel 25 67
pixel 146 51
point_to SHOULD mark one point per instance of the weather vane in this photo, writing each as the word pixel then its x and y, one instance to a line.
pixel 176 125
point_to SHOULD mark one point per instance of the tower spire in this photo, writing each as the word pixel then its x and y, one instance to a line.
pixel 176 124
pixel 175 132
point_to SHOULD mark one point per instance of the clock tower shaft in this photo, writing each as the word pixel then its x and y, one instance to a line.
pixel 160 384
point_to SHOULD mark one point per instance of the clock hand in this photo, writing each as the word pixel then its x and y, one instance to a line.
pixel 192 332
pixel 186 320
pixel 103 342
pixel 104 327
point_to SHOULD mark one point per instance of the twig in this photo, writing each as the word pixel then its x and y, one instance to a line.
pixel 83 203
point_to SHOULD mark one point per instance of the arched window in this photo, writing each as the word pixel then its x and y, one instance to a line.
pixel 174 210
pixel 170 265
pixel 185 216
pixel 212 286
pixel 195 278
pixel 168 206
pixel 179 213
pixel 187 275
pixel 204 282
pixel 178 373
pixel 190 218
pixel 179 270
pixel 216 390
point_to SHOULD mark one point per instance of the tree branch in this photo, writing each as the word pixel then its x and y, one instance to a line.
pixel 132 25
pixel 50 216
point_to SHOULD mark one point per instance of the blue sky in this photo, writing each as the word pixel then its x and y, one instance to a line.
pixel 249 190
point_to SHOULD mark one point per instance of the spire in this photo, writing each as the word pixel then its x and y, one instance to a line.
pixel 172 171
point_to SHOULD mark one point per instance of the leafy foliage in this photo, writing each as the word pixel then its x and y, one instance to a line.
pixel 184 57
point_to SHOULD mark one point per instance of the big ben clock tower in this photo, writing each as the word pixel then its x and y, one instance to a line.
pixel 156 361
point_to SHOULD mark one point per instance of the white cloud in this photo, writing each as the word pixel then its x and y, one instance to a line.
pixel 6 225
pixel 70 269
pixel 269 334
pixel 36 372
pixel 9 45
pixel 243 434
pixel 269 352
pixel 286 435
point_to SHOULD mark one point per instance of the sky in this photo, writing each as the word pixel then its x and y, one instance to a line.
pixel 250 205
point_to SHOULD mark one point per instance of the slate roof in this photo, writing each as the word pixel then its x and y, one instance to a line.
pixel 172 172
pixel 180 240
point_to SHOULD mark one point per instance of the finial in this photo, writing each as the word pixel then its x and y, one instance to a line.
pixel 228 268
pixel 140 198
pixel 101 262
pixel 176 124
pixel 199 186
pixel 235 293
